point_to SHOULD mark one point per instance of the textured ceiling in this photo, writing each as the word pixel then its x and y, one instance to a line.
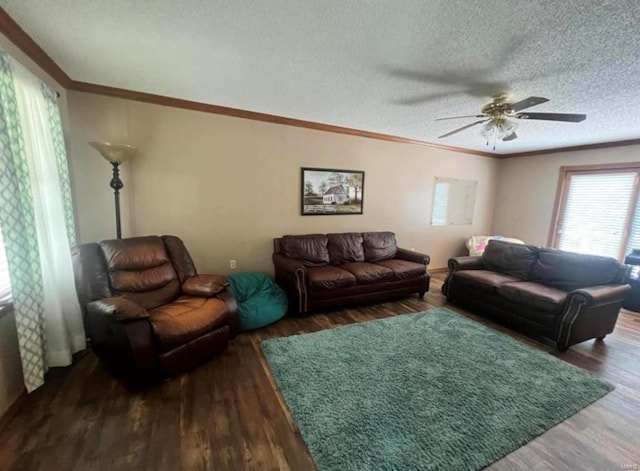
pixel 384 66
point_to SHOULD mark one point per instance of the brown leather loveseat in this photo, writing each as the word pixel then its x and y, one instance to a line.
pixel 324 271
pixel 147 312
pixel 563 296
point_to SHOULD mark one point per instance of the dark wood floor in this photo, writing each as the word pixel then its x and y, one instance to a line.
pixel 227 415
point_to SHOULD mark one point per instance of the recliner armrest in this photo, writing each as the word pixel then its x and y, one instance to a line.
pixel 602 294
pixel 120 308
pixel 466 263
pixel 204 286
pixel 288 265
pixel 233 319
pixel 411 256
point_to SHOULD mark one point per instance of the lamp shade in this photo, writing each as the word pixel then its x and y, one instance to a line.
pixel 498 129
pixel 114 152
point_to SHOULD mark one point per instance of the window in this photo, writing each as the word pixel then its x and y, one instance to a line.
pixel 5 282
pixel 597 210
pixel 634 237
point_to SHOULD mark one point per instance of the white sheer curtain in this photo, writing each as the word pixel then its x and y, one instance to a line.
pixel 63 320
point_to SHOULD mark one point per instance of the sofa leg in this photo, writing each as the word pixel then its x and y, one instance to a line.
pixel 562 348
pixel 421 294
pixel 601 338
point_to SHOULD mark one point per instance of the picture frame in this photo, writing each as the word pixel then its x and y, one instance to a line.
pixel 331 192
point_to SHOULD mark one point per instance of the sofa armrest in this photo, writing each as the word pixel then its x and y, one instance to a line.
pixel 288 265
pixel 291 275
pixel 457 264
pixel 602 294
pixel 466 263
pixel 590 313
pixel 121 309
pixel 411 256
pixel 204 286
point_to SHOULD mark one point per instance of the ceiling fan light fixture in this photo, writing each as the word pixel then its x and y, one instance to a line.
pixel 498 129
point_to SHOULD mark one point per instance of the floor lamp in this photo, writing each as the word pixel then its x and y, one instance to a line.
pixel 115 154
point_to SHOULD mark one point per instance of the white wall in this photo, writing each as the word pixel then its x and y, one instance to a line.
pixel 527 189
pixel 227 186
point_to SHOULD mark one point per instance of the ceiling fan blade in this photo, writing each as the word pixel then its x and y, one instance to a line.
pixel 528 103
pixel 568 117
pixel 458 117
pixel 510 137
pixel 418 100
pixel 462 128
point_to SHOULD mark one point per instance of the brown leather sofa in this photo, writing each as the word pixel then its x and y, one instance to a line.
pixel 324 271
pixel 563 296
pixel 148 314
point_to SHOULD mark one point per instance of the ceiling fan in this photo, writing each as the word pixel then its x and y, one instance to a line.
pixel 498 117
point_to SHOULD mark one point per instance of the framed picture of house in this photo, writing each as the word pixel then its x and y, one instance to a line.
pixel 326 191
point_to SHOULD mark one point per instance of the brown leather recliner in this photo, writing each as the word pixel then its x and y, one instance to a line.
pixel 147 312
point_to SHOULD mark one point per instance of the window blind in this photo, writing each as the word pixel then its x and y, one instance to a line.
pixel 634 237
pixel 5 281
pixel 595 214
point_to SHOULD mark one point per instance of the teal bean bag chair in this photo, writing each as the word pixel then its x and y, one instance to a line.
pixel 260 300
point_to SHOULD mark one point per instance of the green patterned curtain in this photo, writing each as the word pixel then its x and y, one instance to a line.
pixel 17 221
pixel 62 163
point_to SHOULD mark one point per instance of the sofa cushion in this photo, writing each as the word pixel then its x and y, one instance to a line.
pixel 403 269
pixel 366 273
pixel 536 295
pixel 510 258
pixel 311 250
pixel 484 280
pixel 379 246
pixel 569 271
pixel 186 319
pixel 329 277
pixel 345 248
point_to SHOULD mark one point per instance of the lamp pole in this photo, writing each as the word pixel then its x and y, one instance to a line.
pixel 117 185
pixel 115 154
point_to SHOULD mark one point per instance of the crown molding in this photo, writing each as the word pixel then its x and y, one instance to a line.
pixel 555 150
pixel 14 32
pixel 255 116
pixel 20 38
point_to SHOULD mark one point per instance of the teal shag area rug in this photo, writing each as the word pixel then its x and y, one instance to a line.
pixel 426 391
